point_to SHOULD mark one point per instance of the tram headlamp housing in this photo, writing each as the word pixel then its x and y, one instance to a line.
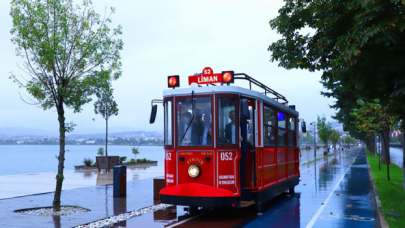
pixel 194 170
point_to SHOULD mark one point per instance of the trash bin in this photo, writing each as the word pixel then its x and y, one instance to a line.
pixel 120 181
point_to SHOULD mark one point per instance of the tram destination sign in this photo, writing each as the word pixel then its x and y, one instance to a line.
pixel 207 77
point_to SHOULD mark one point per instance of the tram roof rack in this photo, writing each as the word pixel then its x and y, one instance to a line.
pixel 251 80
pixel 261 85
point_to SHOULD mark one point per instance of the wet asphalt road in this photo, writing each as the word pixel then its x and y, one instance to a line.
pixel 333 192
pixel 396 155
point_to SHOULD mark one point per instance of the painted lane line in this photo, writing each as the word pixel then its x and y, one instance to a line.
pixel 311 167
pixel 318 213
pixel 184 221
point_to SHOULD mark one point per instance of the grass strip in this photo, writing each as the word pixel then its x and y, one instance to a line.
pixel 317 159
pixel 391 193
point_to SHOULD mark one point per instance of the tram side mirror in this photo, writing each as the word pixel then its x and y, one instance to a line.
pixel 303 127
pixel 244 109
pixel 153 114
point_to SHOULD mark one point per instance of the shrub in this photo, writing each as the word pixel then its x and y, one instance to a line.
pixel 138 160
pixel 123 158
pixel 87 161
pixel 144 160
pixel 94 164
pixel 132 161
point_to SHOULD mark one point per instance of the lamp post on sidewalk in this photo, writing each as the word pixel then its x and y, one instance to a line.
pixel 314 139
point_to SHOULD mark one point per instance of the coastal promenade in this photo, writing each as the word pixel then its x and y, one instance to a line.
pixel 333 192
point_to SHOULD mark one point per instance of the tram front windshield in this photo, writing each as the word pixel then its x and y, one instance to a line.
pixel 194 122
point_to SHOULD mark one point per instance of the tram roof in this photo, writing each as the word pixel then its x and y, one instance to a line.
pixel 207 90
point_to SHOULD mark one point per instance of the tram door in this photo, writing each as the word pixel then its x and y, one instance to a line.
pixel 247 160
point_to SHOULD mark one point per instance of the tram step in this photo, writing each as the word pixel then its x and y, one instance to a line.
pixel 246 203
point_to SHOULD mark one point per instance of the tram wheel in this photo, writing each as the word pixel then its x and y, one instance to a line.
pixel 291 190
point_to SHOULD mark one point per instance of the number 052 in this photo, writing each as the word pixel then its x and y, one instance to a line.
pixel 226 156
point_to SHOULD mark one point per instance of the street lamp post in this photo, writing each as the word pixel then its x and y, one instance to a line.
pixel 314 139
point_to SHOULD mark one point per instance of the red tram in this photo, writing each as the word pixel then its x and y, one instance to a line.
pixel 227 146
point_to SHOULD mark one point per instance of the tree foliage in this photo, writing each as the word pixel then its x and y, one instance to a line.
pixel 349 140
pixel 324 129
pixel 357 44
pixel 373 118
pixel 334 137
pixel 136 151
pixel 106 107
pixel 69 53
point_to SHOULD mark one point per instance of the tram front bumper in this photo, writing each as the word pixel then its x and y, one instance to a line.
pixel 194 194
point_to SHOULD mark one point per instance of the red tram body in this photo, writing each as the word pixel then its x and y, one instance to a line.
pixel 214 168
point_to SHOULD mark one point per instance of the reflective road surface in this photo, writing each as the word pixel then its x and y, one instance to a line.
pixel 333 192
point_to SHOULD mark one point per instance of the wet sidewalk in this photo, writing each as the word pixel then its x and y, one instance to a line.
pixel 37 183
pixel 99 199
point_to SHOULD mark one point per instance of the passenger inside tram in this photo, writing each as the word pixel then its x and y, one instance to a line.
pixel 197 130
pixel 194 121
pixel 207 138
pixel 184 134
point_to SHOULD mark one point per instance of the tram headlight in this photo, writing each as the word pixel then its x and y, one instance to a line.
pixel 194 170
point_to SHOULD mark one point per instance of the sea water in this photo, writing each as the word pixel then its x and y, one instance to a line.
pixel 23 159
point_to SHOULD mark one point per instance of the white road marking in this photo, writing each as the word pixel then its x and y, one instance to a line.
pixel 186 220
pixel 318 213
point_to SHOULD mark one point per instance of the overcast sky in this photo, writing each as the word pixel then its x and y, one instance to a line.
pixel 163 38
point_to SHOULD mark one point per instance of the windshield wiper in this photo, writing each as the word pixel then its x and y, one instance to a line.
pixel 191 120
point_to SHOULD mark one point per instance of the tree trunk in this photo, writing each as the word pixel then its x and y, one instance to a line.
pixel 385 147
pixel 370 143
pixel 387 151
pixel 106 136
pixel 61 158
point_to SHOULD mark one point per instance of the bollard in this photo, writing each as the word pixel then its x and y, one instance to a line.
pixel 120 181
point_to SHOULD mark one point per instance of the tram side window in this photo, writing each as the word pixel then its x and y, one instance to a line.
pixel 227 124
pixel 194 126
pixel 168 123
pixel 291 131
pixel 269 126
pixel 281 129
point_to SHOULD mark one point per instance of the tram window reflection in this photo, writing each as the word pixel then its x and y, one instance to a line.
pixel 269 136
pixel 269 116
pixel 281 137
pixel 192 133
pixel 227 126
pixel 291 125
pixel 168 123
pixel 269 126
pixel 291 138
pixel 291 131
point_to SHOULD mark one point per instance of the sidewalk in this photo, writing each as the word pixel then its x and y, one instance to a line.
pixel 36 183
pixel 98 199
pixel 308 155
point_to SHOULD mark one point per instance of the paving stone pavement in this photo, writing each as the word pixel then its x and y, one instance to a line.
pixel 99 199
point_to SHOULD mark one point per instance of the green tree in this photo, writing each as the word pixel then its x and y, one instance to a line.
pixel 100 151
pixel 334 137
pixel 373 118
pixel 349 140
pixel 136 151
pixel 357 45
pixel 106 107
pixel 324 129
pixel 69 52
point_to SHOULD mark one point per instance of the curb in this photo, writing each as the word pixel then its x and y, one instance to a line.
pixel 380 212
